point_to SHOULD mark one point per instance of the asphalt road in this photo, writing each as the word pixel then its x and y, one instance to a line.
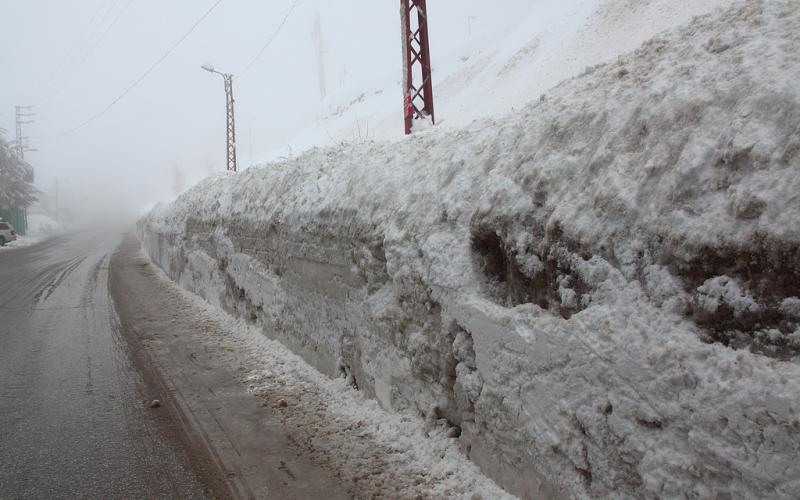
pixel 189 357
pixel 74 422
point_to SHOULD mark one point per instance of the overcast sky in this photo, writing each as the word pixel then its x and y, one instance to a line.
pixel 72 58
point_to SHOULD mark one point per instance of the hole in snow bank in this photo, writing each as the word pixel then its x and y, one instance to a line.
pixel 508 284
pixel 346 373
pixel 748 297
pixel 650 423
pixel 514 278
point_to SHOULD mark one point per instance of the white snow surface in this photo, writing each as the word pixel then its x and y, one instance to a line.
pixel 22 241
pixel 502 66
pixel 544 281
pixel 42 225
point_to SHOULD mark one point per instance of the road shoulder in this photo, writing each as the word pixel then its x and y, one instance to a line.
pixel 236 444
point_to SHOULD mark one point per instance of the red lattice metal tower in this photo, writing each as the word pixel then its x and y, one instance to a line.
pixel 417 84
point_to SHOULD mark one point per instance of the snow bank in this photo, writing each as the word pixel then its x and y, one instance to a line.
pixel 22 241
pixel 600 291
pixel 373 452
pixel 42 225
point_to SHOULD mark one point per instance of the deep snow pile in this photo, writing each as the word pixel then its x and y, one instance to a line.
pixel 601 291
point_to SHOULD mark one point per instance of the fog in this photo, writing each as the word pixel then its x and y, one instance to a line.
pixel 73 59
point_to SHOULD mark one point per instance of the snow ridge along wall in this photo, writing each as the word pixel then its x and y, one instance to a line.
pixel 602 291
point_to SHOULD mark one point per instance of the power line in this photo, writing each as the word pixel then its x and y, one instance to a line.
pixel 144 75
pixel 77 47
pixel 96 29
pixel 72 62
pixel 269 42
pixel 103 35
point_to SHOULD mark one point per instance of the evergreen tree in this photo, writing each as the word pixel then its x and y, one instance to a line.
pixel 16 178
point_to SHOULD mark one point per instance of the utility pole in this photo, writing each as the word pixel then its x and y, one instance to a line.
pixel 230 132
pixel 58 206
pixel 317 36
pixel 230 121
pixel 24 116
pixel 250 135
pixel 417 84
pixel 177 181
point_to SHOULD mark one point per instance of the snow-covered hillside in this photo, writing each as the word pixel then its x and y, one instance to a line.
pixel 497 69
pixel 600 290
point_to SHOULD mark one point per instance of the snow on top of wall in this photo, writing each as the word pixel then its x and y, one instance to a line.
pixel 689 138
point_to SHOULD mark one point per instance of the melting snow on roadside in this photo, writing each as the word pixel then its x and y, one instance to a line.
pixel 22 241
pixel 382 454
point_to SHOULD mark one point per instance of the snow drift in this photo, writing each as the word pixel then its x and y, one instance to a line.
pixel 601 291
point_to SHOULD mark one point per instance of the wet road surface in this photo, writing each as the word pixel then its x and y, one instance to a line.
pixel 187 355
pixel 73 418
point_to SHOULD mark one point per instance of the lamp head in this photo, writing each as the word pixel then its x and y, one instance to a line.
pixel 208 67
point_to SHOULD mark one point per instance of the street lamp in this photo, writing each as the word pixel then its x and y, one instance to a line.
pixel 230 123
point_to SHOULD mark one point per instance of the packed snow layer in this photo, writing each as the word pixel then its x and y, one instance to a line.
pixel 599 292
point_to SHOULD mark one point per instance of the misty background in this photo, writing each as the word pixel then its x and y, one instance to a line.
pixel 72 59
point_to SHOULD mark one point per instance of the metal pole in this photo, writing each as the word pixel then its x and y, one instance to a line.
pixel 23 117
pixel 231 123
pixel 317 37
pixel 427 82
pixel 418 94
pixel 18 143
pixel 58 206
pixel 250 135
